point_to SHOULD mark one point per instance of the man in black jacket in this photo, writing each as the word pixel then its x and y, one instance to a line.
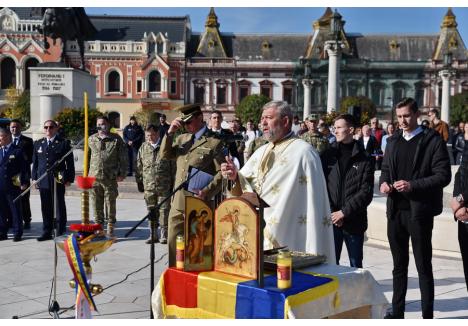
pixel 133 136
pixel 415 169
pixel 26 144
pixel 350 182
pixel 460 209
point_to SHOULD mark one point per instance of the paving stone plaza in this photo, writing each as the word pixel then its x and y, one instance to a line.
pixel 27 269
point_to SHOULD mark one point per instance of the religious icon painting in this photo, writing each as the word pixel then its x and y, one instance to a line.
pixel 236 238
pixel 198 230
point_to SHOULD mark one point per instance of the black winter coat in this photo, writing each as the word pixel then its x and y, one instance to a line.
pixel 353 192
pixel 460 185
pixel 430 174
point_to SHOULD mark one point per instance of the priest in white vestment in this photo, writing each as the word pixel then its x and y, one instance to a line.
pixel 287 174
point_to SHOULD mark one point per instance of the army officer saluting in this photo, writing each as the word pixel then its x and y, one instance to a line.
pixel 196 148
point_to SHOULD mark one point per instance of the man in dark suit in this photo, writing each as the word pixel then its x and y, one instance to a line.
pixel 47 151
pixel 133 136
pixel 26 144
pixel 216 118
pixel 371 146
pixel 14 175
pixel 415 169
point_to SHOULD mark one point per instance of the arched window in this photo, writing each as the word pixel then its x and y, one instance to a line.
pixel 154 81
pixel 114 119
pixel 113 82
pixel 30 63
pixel 8 73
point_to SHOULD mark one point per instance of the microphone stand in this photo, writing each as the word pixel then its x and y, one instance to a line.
pixel 151 216
pixel 54 306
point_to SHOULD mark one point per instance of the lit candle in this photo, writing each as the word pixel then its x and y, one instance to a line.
pixel 85 159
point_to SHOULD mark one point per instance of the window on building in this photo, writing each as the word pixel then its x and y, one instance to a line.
pixel 173 87
pixel 243 92
pixel 160 47
pixel 113 82
pixel 139 85
pixel 154 81
pixel 266 88
pixel 8 73
pixel 221 94
pixel 419 94
pixel 200 94
pixel 377 93
pixel 114 119
pixel 243 89
pixel 399 91
pixel 353 88
pixel 288 92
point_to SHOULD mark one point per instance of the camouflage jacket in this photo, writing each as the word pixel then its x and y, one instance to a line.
pixel 317 140
pixel 155 173
pixel 254 145
pixel 108 157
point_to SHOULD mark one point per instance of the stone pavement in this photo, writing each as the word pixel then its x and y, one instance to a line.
pixel 27 268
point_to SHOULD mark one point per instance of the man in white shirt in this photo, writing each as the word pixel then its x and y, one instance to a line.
pixel 415 169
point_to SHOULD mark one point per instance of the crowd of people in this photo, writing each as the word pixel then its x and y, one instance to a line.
pixel 317 179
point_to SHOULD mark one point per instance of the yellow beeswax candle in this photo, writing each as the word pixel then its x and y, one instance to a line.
pixel 180 251
pixel 284 269
pixel 86 134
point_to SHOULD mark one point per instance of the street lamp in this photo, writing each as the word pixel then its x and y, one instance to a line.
pixel 335 26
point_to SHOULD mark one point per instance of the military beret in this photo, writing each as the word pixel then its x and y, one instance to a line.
pixel 188 111
pixel 312 117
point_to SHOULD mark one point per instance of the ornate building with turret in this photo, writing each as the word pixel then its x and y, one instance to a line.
pixel 159 63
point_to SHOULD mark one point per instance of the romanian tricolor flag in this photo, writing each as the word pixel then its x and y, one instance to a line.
pixel 219 295
pixel 72 252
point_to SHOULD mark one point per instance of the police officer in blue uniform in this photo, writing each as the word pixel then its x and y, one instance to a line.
pixel 47 151
pixel 14 176
pixel 133 136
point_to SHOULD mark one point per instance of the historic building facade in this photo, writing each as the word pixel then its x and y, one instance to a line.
pixel 138 61
pixel 159 63
pixel 386 68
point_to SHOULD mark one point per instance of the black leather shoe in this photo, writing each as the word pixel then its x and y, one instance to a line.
pixel 27 226
pixel 45 237
pixel 390 315
pixel 17 238
pixel 3 237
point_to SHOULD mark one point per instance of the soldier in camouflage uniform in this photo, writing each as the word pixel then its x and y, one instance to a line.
pixel 108 164
pixel 196 148
pixel 313 136
pixel 157 176
pixel 254 145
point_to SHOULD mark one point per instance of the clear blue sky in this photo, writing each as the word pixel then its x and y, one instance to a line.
pixel 299 20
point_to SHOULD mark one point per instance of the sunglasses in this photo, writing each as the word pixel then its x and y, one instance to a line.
pixel 49 127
